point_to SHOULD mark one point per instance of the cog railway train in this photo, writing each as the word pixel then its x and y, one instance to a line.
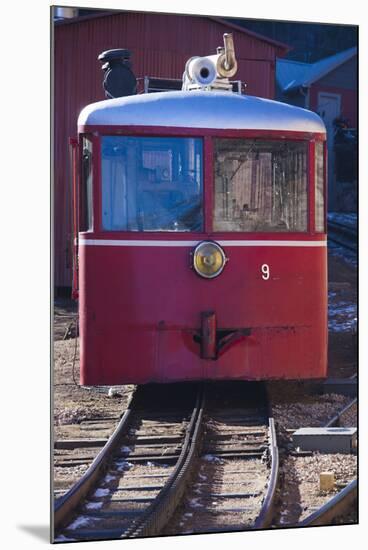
pixel 200 233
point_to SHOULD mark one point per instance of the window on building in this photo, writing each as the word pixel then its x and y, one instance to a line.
pixel 260 186
pixel 151 184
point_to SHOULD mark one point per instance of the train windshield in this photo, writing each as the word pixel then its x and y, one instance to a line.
pixel 260 185
pixel 152 184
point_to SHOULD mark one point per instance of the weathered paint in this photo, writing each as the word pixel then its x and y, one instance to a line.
pixel 142 305
pixel 140 310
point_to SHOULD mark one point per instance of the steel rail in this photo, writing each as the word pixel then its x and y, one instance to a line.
pixel 265 516
pixel 347 229
pixel 335 420
pixel 343 235
pixel 157 515
pixel 66 504
pixel 343 244
pixel 335 507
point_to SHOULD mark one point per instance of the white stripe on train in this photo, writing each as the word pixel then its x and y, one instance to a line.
pixel 118 242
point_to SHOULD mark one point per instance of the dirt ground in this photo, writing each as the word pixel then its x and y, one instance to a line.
pixel 73 403
pixel 300 494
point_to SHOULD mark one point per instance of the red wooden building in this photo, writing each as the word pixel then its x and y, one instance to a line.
pixel 160 45
pixel 328 87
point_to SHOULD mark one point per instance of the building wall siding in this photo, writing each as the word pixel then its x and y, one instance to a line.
pixel 344 76
pixel 348 101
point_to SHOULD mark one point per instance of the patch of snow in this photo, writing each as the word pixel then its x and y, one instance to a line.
pixel 202 477
pixel 284 517
pixel 155 465
pixel 348 219
pixel 122 465
pixel 94 505
pixel 342 314
pixel 213 458
pixel 63 538
pixel 348 256
pixel 188 515
pixel 101 492
pixel 113 392
pixel 125 450
pixel 81 521
pixel 194 503
pixel 108 478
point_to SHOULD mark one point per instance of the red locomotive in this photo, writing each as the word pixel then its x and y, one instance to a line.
pixel 202 235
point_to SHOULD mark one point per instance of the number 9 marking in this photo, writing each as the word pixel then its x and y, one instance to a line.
pixel 265 271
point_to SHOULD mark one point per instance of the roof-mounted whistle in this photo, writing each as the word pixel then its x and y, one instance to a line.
pixel 212 72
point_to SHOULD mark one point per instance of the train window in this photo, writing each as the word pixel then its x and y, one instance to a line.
pixel 152 184
pixel 319 189
pixel 260 185
pixel 86 187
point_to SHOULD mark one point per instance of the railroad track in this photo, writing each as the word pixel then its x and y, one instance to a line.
pixel 336 420
pixel 234 485
pixel 73 455
pixel 142 474
pixel 336 507
pixel 137 467
pixel 343 235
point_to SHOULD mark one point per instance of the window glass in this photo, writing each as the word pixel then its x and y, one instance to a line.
pixel 86 188
pixel 319 191
pixel 260 185
pixel 151 184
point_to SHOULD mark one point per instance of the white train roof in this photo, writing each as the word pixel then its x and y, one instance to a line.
pixel 200 109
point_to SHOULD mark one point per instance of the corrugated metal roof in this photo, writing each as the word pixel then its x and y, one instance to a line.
pixel 294 74
pixel 290 74
pixel 201 109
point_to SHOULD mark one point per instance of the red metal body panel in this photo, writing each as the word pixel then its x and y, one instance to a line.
pixel 202 132
pixel 141 307
pixel 75 159
pixel 160 44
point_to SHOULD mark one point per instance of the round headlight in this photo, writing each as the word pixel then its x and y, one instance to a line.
pixel 209 259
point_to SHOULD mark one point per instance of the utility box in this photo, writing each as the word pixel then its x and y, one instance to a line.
pixel 326 440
